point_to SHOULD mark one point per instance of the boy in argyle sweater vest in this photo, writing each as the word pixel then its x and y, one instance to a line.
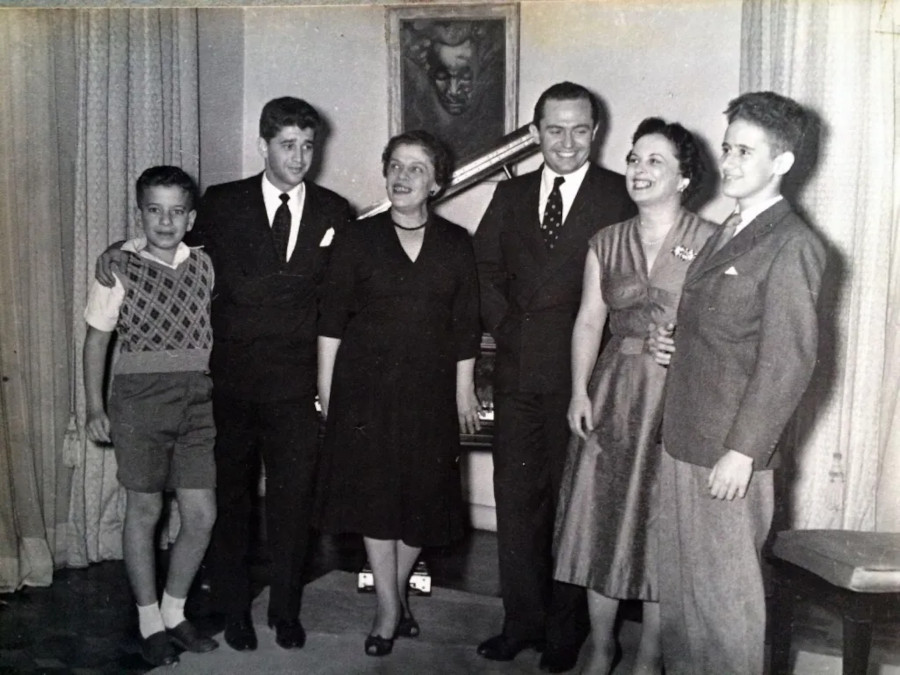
pixel 160 407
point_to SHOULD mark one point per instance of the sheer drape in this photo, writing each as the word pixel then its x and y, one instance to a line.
pixel 34 366
pixel 839 58
pixel 88 99
pixel 137 100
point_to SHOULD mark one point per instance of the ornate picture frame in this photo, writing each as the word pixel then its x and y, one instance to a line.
pixel 453 71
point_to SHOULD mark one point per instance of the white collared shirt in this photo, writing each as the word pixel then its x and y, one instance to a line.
pixel 567 190
pixel 748 215
pixel 103 303
pixel 272 198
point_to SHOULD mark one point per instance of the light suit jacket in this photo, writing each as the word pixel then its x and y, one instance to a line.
pixel 745 341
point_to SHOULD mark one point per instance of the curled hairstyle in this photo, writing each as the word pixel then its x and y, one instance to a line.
pixel 687 152
pixel 437 152
pixel 782 118
pixel 287 112
pixel 166 176
pixel 566 91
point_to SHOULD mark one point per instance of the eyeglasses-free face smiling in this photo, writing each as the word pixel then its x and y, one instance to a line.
pixel 288 156
pixel 652 173
pixel 166 215
pixel 751 166
pixel 409 177
pixel 565 132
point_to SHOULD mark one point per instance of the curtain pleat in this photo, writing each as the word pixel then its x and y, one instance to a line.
pixel 832 57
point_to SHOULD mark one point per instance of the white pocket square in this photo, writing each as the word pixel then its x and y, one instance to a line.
pixel 731 271
pixel 326 239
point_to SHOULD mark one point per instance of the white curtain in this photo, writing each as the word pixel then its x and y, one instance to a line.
pixel 137 107
pixel 34 368
pixel 839 58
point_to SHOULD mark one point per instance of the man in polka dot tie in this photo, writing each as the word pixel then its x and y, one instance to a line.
pixel 530 247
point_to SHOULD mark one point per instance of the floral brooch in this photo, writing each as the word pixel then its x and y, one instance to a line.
pixel 684 253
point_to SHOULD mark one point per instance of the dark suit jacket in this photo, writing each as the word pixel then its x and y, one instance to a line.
pixel 263 309
pixel 529 294
pixel 745 341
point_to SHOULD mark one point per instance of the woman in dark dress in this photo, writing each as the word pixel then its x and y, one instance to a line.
pixel 398 336
pixel 605 535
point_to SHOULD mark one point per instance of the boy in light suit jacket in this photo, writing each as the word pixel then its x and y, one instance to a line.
pixel 741 356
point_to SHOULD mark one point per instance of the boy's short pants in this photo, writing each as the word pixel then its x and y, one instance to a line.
pixel 162 427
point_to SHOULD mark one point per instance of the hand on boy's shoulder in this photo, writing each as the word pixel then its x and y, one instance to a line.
pixel 114 258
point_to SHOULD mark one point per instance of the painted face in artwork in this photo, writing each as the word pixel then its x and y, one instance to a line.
pixel 453 70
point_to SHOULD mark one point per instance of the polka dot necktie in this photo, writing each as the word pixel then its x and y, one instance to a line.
pixel 728 229
pixel 281 227
pixel 553 214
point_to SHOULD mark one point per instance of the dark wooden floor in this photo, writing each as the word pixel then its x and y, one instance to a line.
pixel 86 621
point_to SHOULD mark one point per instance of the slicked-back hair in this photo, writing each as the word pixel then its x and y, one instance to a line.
pixel 287 111
pixel 782 118
pixel 566 91
pixel 687 151
pixel 165 176
pixel 435 149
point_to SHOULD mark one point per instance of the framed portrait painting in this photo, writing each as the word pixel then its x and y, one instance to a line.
pixel 454 72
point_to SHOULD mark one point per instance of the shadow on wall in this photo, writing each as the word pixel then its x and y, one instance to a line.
pixel 822 385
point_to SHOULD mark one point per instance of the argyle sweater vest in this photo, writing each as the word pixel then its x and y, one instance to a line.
pixel 164 324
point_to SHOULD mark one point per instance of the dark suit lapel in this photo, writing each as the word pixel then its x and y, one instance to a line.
pixel 745 240
pixel 254 228
pixel 576 230
pixel 527 215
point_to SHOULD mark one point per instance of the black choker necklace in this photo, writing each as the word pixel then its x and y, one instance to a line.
pixel 411 229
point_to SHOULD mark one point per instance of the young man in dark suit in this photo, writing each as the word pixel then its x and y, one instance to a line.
pixel 530 248
pixel 744 350
pixel 268 238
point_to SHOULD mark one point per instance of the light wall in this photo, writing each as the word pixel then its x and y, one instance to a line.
pixel 675 59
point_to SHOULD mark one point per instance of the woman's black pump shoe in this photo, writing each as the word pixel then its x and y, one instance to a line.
pixel 379 646
pixel 408 627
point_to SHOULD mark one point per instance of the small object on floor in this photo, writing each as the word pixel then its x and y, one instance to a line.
pixel 503 648
pixel 240 634
pixel 157 650
pixel 419 580
pixel 559 659
pixel 408 627
pixel 379 646
pixel 186 636
pixel 289 633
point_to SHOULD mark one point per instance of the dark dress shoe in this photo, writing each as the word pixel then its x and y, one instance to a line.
pixel 557 659
pixel 289 633
pixel 408 627
pixel 503 648
pixel 240 634
pixel 186 636
pixel 157 650
pixel 378 646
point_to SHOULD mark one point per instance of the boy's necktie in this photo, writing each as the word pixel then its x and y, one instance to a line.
pixel 728 229
pixel 553 214
pixel 281 227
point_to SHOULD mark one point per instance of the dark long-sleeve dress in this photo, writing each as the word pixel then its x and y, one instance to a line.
pixel 390 461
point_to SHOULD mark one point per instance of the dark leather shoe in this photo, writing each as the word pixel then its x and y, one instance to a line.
pixel 503 648
pixel 556 659
pixel 289 633
pixel 240 634
pixel 157 650
pixel 186 636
